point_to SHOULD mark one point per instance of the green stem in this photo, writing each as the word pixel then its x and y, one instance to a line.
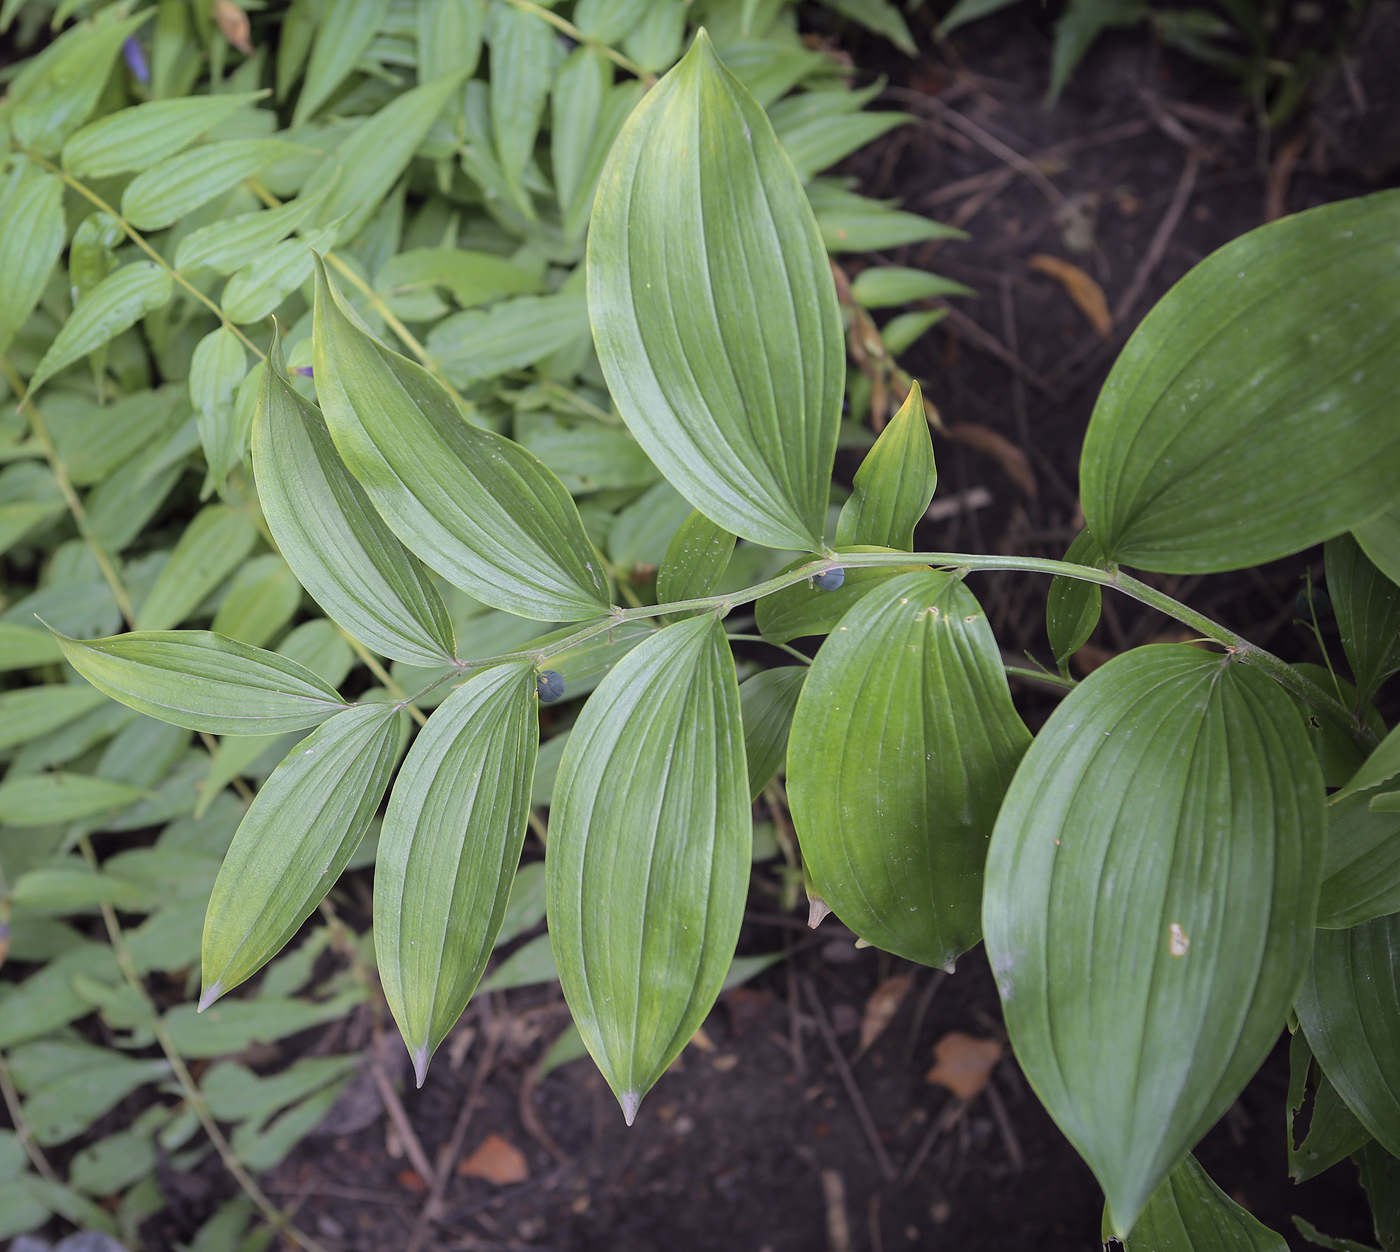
pixel 568 28
pixel 801 656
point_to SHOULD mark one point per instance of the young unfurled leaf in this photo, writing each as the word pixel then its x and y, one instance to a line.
pixel 473 505
pixel 1361 877
pixel 136 138
pixel 202 681
pixel 449 849
pixel 338 546
pixel 768 700
pixel 713 307
pixel 31 239
pixel 903 744
pixel 649 850
pixel 303 826
pixel 1072 606
pixel 180 184
pixel 1250 415
pixel 894 484
pixel 695 560
pixel 113 305
pixel 212 547
pixel 1151 888
pixel 346 30
pixel 1367 605
pixel 1347 1011
pixel 1189 1213
pixel 218 366
pixel 805 609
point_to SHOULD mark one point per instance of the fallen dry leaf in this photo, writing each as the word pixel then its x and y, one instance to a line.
pixel 1011 459
pixel 410 1179
pixel 497 1160
pixel 880 1009
pixel 964 1063
pixel 1084 291
pixel 233 23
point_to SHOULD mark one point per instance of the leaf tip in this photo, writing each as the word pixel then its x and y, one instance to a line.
pixel 209 995
pixel 631 1101
pixel 818 910
pixel 421 1057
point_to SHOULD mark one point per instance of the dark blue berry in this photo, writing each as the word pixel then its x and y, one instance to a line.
pixel 550 686
pixel 829 579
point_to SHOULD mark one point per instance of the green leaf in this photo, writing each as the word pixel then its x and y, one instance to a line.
pixel 29 497
pixel 472 277
pixel 263 597
pixel 768 700
pixel 24 647
pixel 346 31
pixel 805 609
pixel 655 41
pixel 903 743
pixel 581 89
pixel 1315 1236
pixel 1333 1135
pixel 1189 1213
pixel 45 799
pixel 1361 877
pixel 528 966
pixel 1150 894
pixel 166 192
pixel 33 711
pixel 524 53
pixel 823 129
pixel 134 139
pixel 1347 1011
pixel 1073 606
pixel 65 1107
pixel 1250 415
pixel 651 800
pixel 882 286
pixel 894 484
pixel 210 549
pixel 713 308
pixel 233 1025
pixel 472 505
pixel 903 332
pixel 111 434
pixel 304 825
pixel 1082 22
pixel 218 366
pixel 1367 605
pixel 115 304
pixel 1380 767
pixel 695 560
pixel 480 343
pixel 260 286
pixel 339 548
pixel 879 16
pixel 230 244
pixel 853 223
pixel 447 854
pixel 1380 1176
pixel 449 37
pixel 608 21
pixel 526 907
pixel 31 239
pixel 72 887
pixel 1380 540
pixel 201 681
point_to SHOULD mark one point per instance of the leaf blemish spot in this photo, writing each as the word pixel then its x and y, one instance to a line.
pixel 1178 942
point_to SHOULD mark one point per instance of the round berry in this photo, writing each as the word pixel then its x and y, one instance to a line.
pixel 549 686
pixel 829 579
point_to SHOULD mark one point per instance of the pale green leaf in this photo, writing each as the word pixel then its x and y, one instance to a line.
pixel 608 20
pixel 71 886
pixel 901 333
pixel 134 139
pixel 713 308
pixel 472 277
pixel 29 497
pixel 894 484
pixel 261 285
pixel 31 239
pixel 695 560
pixel 853 223
pixel 111 434
pixel 768 700
pixel 655 41
pixel 44 799
pixel 33 711
pixel 528 966
pixel 112 1164
pixel 346 30
pixel 24 647
pixel 880 16
pixel 210 549
pixel 180 184
pixel 526 907
pixel 234 1025
pixel 480 343
pixel 524 54
pixel 218 366
pixel 818 137
pixel 1380 767
pixel 1150 894
pixel 1189 1213
pixel 583 85
pixel 231 243
pixel 304 825
pixel 449 37
pixel 649 851
pixel 1082 22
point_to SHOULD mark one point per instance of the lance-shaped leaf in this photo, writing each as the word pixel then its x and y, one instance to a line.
pixel 1333 1132
pixel 713 307
pixel 1380 538
pixel 903 744
pixel 179 185
pixel 46 799
pixel 1151 888
pixel 894 484
pixel 1251 413
pixel 805 609
pixel 31 238
pixel 1380 1176
pixel 1189 1213
pixel 695 560
pixel 1072 606
pixel 1347 1010
pixel 473 505
pixel 1367 605
pixel 136 138
pixel 212 546
pixel 649 848
pixel 768 700
pixel 202 681
pixel 1380 767
pixel 304 825
pixel 337 545
pixel 1361 876
pixel 449 849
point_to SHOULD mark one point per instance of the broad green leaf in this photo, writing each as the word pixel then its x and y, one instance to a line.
pixel 449 848
pixel 134 139
pixel 65 1107
pixel 1150 894
pixel 115 304
pixel 472 277
pixel 1367 605
pixel 111 434
pixel 304 825
pixel 31 239
pixel 524 53
pixel 768 700
pixel 346 30
pixel 695 560
pixel 263 597
pixel 1380 540
pixel 805 609
pixel 261 285
pixel 649 850
pixel 1250 415
pixel 449 37
pixel 166 192
pixel 471 504
pixel 1073 606
pixel 231 243
pixel 218 366
pixel 854 223
pixel 45 799
pixel 1189 1213
pixel 589 456
pixel 33 711
pixel 201 681
pixel 655 42
pixel 713 308
pixel 1347 1010
pixel 210 549
pixel 1361 877
pixel 586 664
pixel 71 886
pixel 882 286
pixel 894 484
pixel 339 548
pixel 903 743
pixel 480 343
pixel 1380 767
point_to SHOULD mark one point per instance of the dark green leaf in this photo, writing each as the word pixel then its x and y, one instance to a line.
pixel 1380 1175
pixel 1367 605
pixel 695 560
pixel 1072 606
pixel 1380 539
pixel 1081 24
pixel 1380 767
pixel 805 609
pixel 894 484
pixel 1189 1213
pixel 1361 879
pixel 31 238
pixel 1333 1135
pixel 768 700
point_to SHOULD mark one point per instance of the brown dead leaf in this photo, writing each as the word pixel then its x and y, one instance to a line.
pixel 880 1009
pixel 233 23
pixel 497 1160
pixel 1084 291
pixel 411 1180
pixel 1006 454
pixel 964 1063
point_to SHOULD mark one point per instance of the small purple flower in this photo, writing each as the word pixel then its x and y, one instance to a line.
pixel 306 371
pixel 135 57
